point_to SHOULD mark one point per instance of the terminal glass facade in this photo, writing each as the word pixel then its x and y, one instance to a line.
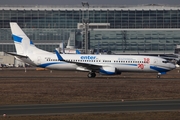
pixel 48 26
pixel 136 41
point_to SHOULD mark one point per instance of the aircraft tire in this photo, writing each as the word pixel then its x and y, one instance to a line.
pixel 91 75
pixel 158 76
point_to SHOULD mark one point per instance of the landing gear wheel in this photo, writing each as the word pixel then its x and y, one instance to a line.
pixel 158 76
pixel 91 75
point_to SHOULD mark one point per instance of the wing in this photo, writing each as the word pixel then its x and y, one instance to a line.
pixel 88 66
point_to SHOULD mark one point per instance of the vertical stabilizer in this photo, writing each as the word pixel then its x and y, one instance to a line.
pixel 21 41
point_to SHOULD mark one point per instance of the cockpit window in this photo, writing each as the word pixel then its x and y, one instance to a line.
pixel 165 61
pixel 169 61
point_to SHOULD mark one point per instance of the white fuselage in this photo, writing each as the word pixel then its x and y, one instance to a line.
pixel 123 63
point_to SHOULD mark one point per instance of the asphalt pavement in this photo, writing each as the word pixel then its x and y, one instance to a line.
pixel 90 107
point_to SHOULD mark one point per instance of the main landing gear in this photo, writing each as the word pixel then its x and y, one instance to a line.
pixel 91 75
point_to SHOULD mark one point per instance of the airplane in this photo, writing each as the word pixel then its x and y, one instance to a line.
pixel 105 64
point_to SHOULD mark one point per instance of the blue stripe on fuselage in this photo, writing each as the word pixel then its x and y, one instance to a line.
pixel 131 64
pixel 161 70
pixel 48 64
pixel 124 64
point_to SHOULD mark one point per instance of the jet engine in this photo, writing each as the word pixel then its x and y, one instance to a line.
pixel 109 71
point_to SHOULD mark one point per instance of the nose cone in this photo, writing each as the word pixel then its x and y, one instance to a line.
pixel 177 65
pixel 172 66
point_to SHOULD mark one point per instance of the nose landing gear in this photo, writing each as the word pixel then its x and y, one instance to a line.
pixel 161 73
pixel 158 76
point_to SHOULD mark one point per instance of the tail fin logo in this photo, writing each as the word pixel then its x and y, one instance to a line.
pixel 31 42
pixel 17 38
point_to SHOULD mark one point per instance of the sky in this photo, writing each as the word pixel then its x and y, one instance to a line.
pixel 91 2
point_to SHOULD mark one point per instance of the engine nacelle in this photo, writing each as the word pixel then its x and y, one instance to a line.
pixel 109 71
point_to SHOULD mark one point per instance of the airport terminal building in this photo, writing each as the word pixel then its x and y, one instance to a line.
pixel 145 29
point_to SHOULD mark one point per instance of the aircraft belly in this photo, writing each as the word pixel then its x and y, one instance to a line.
pixel 126 68
pixel 62 67
pixel 134 68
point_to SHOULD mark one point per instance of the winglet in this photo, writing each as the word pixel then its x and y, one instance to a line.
pixel 78 52
pixel 59 56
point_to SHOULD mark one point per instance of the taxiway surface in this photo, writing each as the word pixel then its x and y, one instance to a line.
pixel 33 92
pixel 92 107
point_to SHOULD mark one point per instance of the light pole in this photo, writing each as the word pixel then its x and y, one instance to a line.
pixel 85 21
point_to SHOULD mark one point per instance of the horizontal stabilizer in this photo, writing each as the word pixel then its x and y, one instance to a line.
pixel 17 55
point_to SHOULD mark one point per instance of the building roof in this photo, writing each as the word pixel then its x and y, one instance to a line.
pixel 91 7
